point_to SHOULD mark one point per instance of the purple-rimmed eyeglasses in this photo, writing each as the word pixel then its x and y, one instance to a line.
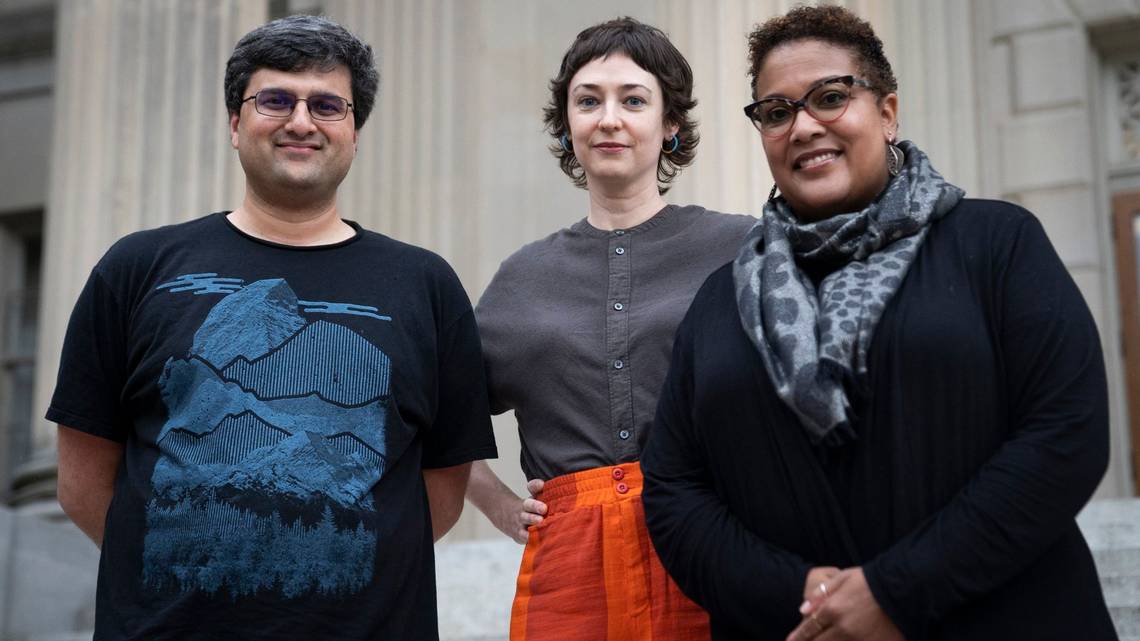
pixel 277 103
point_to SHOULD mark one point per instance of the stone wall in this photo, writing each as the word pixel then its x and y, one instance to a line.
pixel 1040 145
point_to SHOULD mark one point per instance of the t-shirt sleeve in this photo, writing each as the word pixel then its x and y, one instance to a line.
pixel 461 431
pixel 92 366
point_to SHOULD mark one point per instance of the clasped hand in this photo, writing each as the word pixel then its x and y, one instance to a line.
pixel 838 606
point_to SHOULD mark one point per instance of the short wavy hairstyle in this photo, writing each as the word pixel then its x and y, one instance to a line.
pixel 303 43
pixel 650 48
pixel 834 25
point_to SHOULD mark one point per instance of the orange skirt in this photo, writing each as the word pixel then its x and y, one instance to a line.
pixel 590 573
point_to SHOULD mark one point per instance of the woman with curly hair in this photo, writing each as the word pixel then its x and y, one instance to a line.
pixel 577 329
pixel 882 418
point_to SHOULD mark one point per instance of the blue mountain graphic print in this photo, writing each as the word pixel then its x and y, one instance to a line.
pixel 278 429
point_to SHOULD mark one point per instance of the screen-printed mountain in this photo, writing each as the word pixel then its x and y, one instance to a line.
pixel 323 358
pixel 245 453
pixel 268 411
pixel 248 322
pixel 199 399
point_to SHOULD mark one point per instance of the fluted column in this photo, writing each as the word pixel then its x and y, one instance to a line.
pixel 453 157
pixel 413 173
pixel 140 140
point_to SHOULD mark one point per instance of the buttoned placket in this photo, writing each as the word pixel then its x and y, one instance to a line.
pixel 617 344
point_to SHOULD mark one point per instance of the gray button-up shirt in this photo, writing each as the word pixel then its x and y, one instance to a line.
pixel 578 327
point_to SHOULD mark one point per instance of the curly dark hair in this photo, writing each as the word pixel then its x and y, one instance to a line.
pixel 831 24
pixel 303 43
pixel 650 48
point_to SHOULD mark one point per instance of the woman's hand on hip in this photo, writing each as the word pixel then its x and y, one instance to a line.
pixel 529 513
pixel 503 508
pixel 517 515
pixel 842 608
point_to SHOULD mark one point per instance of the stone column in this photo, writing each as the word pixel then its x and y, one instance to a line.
pixel 415 173
pixel 140 140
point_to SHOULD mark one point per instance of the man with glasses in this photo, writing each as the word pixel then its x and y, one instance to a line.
pixel 267 414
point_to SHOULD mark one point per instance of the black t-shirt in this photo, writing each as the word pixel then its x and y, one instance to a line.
pixel 277 405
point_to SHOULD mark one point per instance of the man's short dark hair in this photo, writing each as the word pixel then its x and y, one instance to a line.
pixel 303 43
pixel 650 48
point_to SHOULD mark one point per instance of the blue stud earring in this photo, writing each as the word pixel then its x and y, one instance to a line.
pixel 676 142
pixel 567 146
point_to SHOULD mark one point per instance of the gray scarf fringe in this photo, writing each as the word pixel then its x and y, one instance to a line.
pixel 813 342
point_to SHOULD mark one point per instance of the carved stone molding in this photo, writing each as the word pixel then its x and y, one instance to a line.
pixel 1127 74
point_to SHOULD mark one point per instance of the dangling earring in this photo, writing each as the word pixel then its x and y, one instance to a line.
pixel 676 142
pixel 895 159
pixel 567 146
pixel 772 194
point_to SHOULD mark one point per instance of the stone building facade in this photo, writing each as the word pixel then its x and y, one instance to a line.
pixel 113 121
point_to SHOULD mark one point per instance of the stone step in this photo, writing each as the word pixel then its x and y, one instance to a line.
pixel 1112 529
pixel 475 582
pixel 1122 562
pixel 1127 620
pixel 47 578
pixel 1111 525
pixel 1121 591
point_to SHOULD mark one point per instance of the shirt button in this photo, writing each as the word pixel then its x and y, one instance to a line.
pixel 619 251
pixel 619 232
pixel 619 473
pixel 623 435
pixel 619 306
pixel 622 488
pixel 618 364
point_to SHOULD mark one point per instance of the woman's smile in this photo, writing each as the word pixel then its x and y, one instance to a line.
pixel 816 159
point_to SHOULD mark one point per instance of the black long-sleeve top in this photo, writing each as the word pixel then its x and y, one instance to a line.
pixel 982 430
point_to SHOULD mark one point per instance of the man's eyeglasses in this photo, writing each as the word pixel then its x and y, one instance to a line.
pixel 826 101
pixel 276 103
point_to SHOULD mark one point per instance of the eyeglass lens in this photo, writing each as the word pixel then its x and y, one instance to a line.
pixel 825 103
pixel 280 104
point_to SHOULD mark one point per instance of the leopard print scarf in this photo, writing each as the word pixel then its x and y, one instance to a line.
pixel 812 341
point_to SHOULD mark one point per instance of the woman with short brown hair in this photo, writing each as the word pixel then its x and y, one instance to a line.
pixel 577 329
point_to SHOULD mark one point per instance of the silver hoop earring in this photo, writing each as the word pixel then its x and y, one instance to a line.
pixel 675 142
pixel 895 159
pixel 567 146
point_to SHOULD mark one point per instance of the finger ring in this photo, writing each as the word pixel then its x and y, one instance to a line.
pixel 823 588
